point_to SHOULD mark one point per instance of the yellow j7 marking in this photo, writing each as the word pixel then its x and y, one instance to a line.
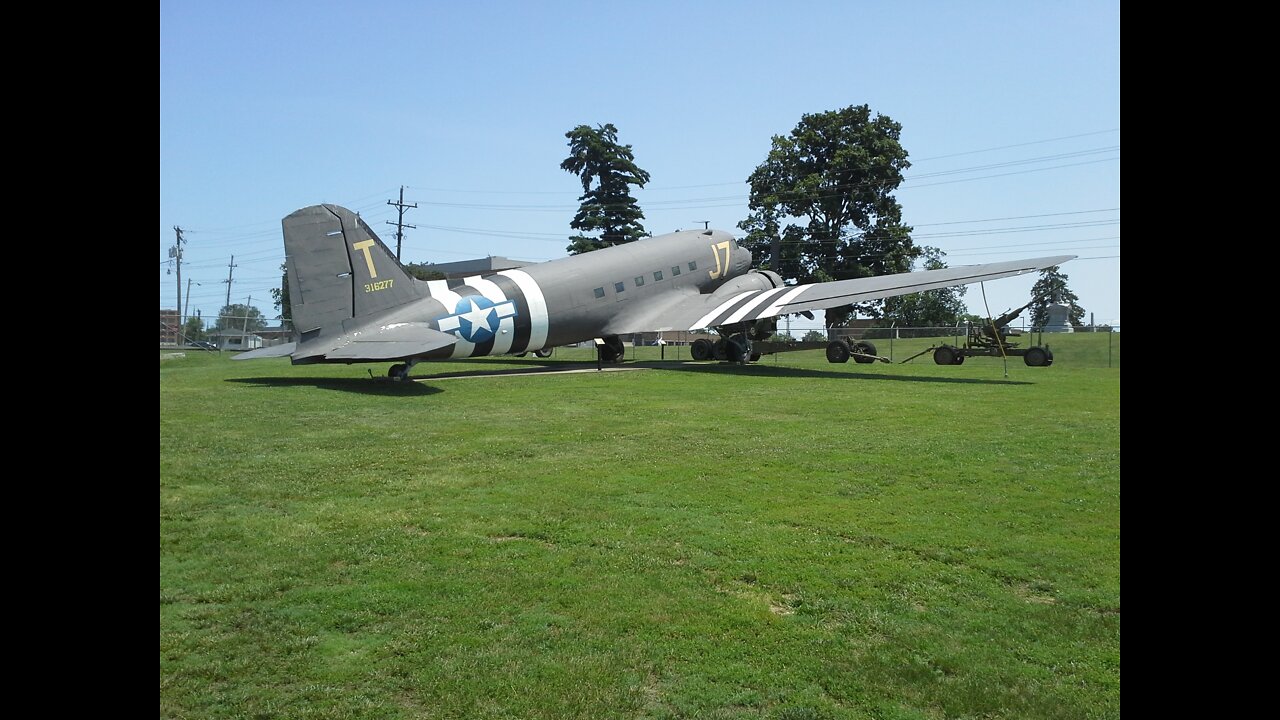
pixel 721 267
pixel 380 285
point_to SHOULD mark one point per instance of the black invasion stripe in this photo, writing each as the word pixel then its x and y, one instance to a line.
pixel 482 348
pixel 520 342
pixel 733 308
pixel 453 284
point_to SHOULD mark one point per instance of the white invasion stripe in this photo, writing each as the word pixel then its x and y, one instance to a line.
pixel 537 307
pixel 702 321
pixel 439 289
pixel 507 325
pixel 754 303
pixel 777 305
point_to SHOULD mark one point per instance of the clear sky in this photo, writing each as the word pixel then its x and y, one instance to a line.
pixel 1010 112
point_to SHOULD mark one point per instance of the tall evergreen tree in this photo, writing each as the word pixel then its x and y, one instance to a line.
pixel 607 206
pixel 827 191
pixel 1052 288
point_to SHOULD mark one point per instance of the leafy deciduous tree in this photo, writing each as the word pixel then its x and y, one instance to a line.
pixel 238 316
pixel 608 207
pixel 423 271
pixel 933 308
pixel 193 329
pixel 827 191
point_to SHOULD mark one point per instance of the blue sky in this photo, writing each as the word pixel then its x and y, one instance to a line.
pixel 1010 112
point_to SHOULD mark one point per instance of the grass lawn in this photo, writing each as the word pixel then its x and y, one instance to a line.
pixel 790 539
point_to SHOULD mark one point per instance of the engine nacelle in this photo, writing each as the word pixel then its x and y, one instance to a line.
pixel 753 280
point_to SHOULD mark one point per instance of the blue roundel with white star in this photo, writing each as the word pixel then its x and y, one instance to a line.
pixel 476 318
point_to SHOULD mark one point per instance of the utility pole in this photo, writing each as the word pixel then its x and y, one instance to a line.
pixel 189 296
pixel 230 267
pixel 248 304
pixel 175 256
pixel 399 223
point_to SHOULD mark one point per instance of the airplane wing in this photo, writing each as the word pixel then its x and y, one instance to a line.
pixel 695 312
pixel 389 342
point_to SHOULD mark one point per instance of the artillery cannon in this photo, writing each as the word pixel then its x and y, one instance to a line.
pixel 991 339
pixel 996 332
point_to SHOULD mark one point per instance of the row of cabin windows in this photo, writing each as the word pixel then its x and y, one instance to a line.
pixel 639 280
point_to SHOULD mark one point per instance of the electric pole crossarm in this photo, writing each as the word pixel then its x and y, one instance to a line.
pixel 399 223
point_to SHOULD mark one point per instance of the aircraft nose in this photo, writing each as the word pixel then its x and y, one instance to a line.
pixel 741 258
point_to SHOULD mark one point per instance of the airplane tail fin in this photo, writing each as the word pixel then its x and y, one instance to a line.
pixel 338 269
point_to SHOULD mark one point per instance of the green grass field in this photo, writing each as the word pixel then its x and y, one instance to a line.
pixel 790 539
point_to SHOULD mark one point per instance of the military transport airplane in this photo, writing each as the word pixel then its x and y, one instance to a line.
pixel 352 302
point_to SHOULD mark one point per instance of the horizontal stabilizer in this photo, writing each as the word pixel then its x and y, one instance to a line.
pixel 281 350
pixel 396 341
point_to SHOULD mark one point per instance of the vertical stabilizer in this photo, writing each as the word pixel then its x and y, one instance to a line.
pixel 339 269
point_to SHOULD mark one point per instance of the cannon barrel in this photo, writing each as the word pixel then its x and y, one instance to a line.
pixel 1008 317
pixel 990 330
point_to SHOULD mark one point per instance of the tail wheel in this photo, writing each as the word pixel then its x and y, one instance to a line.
pixel 1036 357
pixel 701 349
pixel 864 347
pixel 837 352
pixel 945 355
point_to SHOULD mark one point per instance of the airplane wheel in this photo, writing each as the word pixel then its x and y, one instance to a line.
pixel 737 349
pixel 721 349
pixel 701 349
pixel 398 371
pixel 613 349
pixel 543 353
pixel 755 357
pixel 945 355
pixel 959 359
pixel 1036 357
pixel 837 352
pixel 864 347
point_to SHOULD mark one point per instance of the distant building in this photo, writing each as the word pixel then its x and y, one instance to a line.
pixel 274 336
pixel 170 327
pixel 235 340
